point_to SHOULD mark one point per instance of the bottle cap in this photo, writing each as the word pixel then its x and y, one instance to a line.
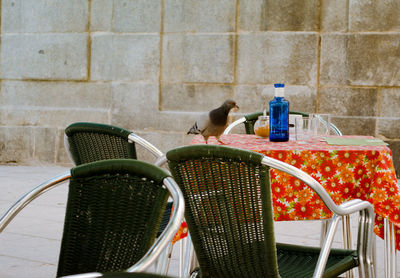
pixel 279 90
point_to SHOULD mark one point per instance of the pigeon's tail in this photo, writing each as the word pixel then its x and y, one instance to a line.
pixel 194 130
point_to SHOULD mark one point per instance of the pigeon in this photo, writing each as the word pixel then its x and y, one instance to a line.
pixel 214 122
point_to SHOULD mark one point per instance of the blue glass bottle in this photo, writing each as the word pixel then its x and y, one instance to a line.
pixel 279 116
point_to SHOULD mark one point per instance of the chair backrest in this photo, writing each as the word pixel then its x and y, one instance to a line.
pixel 252 118
pixel 88 142
pixel 228 209
pixel 113 213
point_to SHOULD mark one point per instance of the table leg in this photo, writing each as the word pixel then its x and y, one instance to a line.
pixel 390 249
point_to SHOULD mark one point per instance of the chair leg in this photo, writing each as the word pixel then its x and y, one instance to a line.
pixel 168 259
pixel 189 261
pixel 182 257
pixel 325 249
pixel 366 245
pixel 324 230
pixel 390 249
pixel 163 261
pixel 373 256
pixel 347 243
pixel 195 262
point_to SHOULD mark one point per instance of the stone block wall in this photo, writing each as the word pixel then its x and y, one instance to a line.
pixel 152 66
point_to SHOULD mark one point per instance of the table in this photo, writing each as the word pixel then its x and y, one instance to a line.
pixel 346 172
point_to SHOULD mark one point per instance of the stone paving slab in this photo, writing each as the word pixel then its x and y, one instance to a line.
pixel 30 244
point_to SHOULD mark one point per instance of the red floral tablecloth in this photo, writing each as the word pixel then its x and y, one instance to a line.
pixel 346 172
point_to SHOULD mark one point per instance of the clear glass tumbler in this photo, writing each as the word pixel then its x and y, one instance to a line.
pixel 261 126
pixel 303 129
pixel 320 125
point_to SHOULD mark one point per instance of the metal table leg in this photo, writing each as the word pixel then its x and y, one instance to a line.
pixel 390 249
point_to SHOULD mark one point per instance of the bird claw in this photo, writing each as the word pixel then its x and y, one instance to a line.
pixel 222 143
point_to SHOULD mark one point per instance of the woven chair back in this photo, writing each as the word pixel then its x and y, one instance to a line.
pixel 228 209
pixel 90 142
pixel 113 213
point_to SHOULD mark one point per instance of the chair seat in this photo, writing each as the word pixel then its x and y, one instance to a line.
pixel 299 261
pixel 294 261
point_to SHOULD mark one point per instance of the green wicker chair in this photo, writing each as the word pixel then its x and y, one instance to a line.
pixel 250 119
pixel 228 209
pixel 113 212
pixel 87 142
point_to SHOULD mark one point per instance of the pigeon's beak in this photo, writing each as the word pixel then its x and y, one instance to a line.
pixel 236 108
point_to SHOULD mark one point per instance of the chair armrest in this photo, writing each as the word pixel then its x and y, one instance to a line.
pixel 169 232
pixel 335 129
pixel 144 143
pixel 235 123
pixel 161 161
pixel 28 197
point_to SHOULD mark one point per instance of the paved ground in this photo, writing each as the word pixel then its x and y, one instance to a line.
pixel 30 244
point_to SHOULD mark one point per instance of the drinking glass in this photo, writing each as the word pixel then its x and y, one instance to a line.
pixel 320 125
pixel 292 123
pixel 261 126
pixel 303 129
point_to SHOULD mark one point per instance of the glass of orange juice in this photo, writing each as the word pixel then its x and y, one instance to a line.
pixel 261 126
